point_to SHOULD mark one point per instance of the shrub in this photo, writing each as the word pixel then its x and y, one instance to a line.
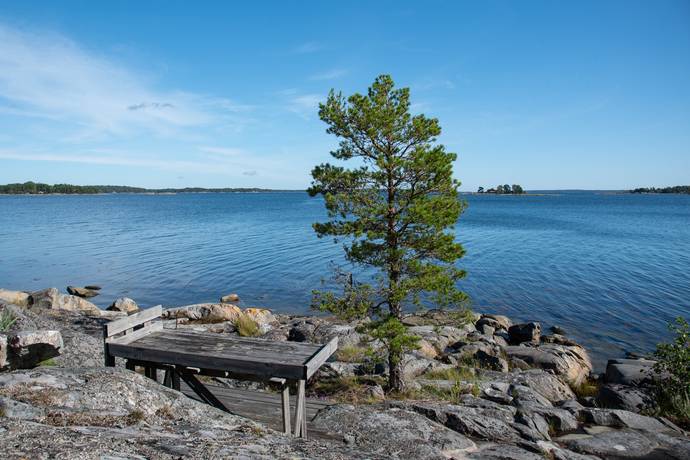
pixel 672 384
pixel 246 326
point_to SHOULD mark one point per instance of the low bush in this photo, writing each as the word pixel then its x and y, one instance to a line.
pixel 672 381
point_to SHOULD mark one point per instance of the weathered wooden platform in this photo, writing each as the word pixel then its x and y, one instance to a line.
pixel 263 407
pixel 184 355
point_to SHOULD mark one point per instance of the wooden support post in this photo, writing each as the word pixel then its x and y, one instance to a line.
pixel 167 378
pixel 175 379
pixel 130 365
pixel 108 359
pixel 151 372
pixel 285 397
pixel 202 391
pixel 300 412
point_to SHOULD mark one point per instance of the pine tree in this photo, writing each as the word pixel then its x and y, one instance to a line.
pixel 395 210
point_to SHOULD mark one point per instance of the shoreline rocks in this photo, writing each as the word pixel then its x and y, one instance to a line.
pixel 480 387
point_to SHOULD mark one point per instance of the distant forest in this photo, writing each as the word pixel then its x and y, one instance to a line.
pixel 36 188
pixel 675 189
pixel 506 189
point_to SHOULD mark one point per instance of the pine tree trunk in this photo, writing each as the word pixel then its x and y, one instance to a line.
pixel 395 374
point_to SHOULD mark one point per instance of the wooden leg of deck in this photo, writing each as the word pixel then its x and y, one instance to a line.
pixel 129 365
pixel 175 377
pixel 300 416
pixel 203 392
pixel 167 378
pixel 150 372
pixel 285 396
pixel 109 360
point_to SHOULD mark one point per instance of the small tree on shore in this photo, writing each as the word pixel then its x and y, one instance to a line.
pixel 394 208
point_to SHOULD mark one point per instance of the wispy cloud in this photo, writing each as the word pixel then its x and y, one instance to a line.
pixel 48 76
pixel 225 151
pixel 308 47
pixel 304 105
pixel 249 173
pixel 329 75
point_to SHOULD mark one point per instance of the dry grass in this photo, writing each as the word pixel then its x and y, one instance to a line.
pixel 464 374
pixel 588 388
pixel 246 326
pixel 350 390
pixel 91 419
pixel 353 354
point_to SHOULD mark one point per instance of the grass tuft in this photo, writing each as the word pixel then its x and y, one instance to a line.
pixel 246 326
pixel 7 319
pixel 588 388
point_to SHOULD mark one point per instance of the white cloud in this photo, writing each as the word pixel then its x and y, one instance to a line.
pixel 49 76
pixel 329 75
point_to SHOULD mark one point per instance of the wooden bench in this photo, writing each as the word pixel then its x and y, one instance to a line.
pixel 183 354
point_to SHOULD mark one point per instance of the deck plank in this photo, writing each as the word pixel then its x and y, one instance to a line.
pixel 263 407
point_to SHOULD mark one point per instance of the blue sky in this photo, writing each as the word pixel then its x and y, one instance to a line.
pixel 549 94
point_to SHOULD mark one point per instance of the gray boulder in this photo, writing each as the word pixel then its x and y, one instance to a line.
pixel 230 298
pixel 486 354
pixel 627 443
pixel 204 312
pixel 440 337
pixel 479 422
pixel 623 419
pixel 124 304
pixel 392 432
pixel 615 396
pixel 25 349
pixel 571 363
pixel 632 372
pixel 82 292
pixel 546 384
pixel 415 364
pixel 527 332
pixel 51 298
pixel 14 297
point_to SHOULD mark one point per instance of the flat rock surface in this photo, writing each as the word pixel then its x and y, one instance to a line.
pixel 393 432
pixel 114 413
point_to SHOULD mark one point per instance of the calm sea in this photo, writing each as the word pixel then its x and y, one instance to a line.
pixel 611 269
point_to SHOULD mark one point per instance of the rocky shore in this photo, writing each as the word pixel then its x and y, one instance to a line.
pixel 477 388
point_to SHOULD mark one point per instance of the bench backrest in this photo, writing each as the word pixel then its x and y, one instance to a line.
pixel 129 323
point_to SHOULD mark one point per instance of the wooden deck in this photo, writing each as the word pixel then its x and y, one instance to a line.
pixel 184 355
pixel 263 407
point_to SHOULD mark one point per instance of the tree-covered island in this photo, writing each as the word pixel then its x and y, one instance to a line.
pixel 685 189
pixel 37 188
pixel 506 189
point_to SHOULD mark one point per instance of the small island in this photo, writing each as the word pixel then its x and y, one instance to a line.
pixel 506 189
pixel 37 188
pixel 684 189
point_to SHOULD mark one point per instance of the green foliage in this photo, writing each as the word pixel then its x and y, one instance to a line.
pixel 675 189
pixel 505 189
pixel 7 319
pixel 393 211
pixel 673 369
pixel 37 188
pixel 50 362
pixel 246 326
